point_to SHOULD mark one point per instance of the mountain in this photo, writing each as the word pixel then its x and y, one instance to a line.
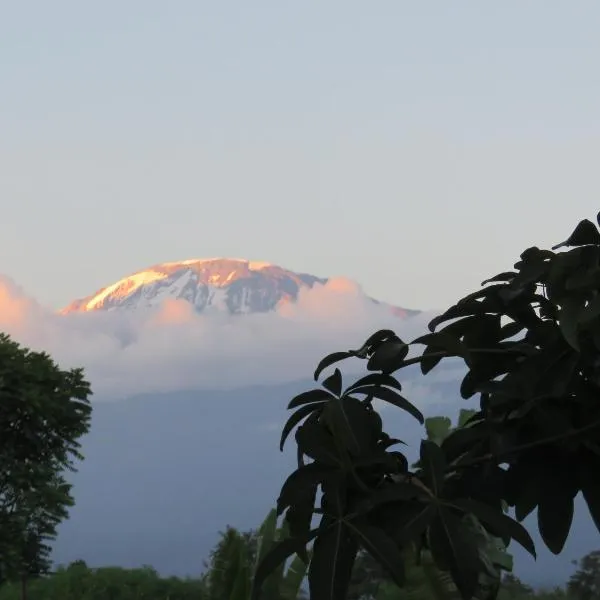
pixel 236 286
pixel 163 473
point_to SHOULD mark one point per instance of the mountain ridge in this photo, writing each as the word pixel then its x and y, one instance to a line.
pixel 234 285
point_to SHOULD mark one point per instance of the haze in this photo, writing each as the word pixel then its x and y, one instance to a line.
pixel 413 147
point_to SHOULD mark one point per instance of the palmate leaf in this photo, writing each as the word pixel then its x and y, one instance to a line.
pixel 392 397
pixel 555 516
pixel 277 555
pixel 333 383
pixel 407 521
pixel 381 547
pixel 375 379
pixel 300 414
pixel 433 463
pixel 310 397
pixel 454 549
pixel 585 233
pixel 315 441
pixel 502 524
pixel 333 556
pixel 351 423
pixel 302 481
pixel 330 360
pixel 389 356
pixel 393 492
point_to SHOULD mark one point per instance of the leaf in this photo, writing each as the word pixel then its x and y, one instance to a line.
pixel 392 397
pixel 585 233
pixel 406 523
pixel 334 383
pixel 429 362
pixel 330 360
pixel 317 443
pixel 300 414
pixel 433 464
pixel 555 513
pixel 373 341
pixel 380 379
pixel 389 356
pixel 438 429
pixel 266 535
pixel 334 553
pixel 317 395
pixel 381 547
pixel 348 419
pixel 506 276
pixel 454 549
pixel 292 582
pixel 502 524
pixel 277 555
pixel 299 482
pixel 390 493
pixel 444 340
pixel 568 320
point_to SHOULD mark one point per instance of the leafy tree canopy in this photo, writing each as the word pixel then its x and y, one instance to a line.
pixel 43 413
pixel 530 341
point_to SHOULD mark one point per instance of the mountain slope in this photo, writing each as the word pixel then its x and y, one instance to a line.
pixel 164 473
pixel 236 286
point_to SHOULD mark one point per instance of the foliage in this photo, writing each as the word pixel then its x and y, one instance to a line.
pixel 585 582
pixel 43 413
pixel 233 563
pixel 530 340
pixel 78 582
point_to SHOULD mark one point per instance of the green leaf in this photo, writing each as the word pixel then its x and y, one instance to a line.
pixel 407 521
pixel 455 549
pixel 506 276
pixel 429 362
pixel 585 233
pixel 392 492
pixel 330 360
pixel 392 397
pixel 277 555
pixel 502 524
pixel 389 356
pixel 374 341
pixel 349 421
pixel 379 379
pixel 381 547
pixel 266 535
pixel 568 320
pixel 292 582
pixel 317 395
pixel 334 383
pixel 300 414
pixel 302 479
pixel 438 429
pixel 433 463
pixel 555 514
pixel 334 553
pixel 443 340
pixel 316 442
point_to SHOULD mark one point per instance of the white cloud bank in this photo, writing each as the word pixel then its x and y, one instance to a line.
pixel 174 348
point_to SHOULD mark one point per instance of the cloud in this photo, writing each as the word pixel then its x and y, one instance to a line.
pixel 173 348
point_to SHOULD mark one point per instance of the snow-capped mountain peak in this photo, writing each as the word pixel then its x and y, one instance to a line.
pixel 237 286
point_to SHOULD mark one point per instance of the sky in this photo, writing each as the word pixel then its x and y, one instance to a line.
pixel 416 148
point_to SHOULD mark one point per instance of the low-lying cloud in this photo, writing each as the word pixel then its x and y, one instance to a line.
pixel 173 348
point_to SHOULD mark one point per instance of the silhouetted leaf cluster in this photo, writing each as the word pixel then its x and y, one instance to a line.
pixel 530 340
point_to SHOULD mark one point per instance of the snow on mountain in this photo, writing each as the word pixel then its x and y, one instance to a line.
pixel 236 286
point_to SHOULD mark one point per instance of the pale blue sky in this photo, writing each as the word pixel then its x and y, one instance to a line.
pixel 416 147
